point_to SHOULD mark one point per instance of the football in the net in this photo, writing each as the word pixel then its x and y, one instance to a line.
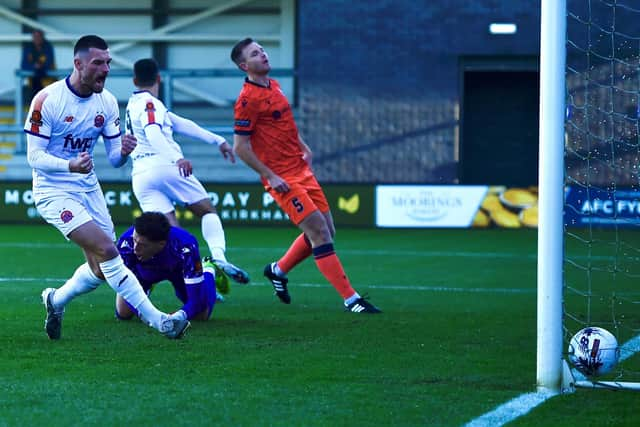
pixel 594 351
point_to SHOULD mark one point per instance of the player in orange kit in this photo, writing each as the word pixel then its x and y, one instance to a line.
pixel 266 139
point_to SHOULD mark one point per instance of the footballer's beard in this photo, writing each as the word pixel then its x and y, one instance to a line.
pixel 96 84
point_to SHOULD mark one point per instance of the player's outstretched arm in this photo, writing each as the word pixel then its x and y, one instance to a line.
pixel 190 128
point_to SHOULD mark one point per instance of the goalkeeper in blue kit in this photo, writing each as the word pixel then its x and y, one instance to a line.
pixel 155 251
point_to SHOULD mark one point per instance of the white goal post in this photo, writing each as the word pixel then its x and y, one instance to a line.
pixel 554 283
pixel 551 195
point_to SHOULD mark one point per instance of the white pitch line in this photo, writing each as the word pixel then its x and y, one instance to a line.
pixel 422 288
pixel 630 348
pixel 500 416
pixel 31 279
pixel 511 410
pixel 366 252
pixel 325 285
pixel 372 252
pixel 34 245
pixel 524 403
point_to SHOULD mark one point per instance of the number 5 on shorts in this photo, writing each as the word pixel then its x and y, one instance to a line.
pixel 297 205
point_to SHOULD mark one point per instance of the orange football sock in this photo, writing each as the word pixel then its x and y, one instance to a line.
pixel 299 250
pixel 330 266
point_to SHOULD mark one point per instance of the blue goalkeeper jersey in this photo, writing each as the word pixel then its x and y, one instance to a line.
pixel 178 262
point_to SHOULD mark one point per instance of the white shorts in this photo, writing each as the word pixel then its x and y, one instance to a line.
pixel 159 188
pixel 67 211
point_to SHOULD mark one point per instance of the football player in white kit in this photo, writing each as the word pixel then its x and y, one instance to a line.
pixel 161 176
pixel 63 126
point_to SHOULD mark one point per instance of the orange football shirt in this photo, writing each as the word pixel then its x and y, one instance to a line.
pixel 265 115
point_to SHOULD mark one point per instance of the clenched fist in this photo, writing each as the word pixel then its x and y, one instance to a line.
pixel 82 163
pixel 129 143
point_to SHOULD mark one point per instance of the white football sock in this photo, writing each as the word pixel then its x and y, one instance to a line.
pixel 125 283
pixel 82 281
pixel 351 299
pixel 276 269
pixel 213 234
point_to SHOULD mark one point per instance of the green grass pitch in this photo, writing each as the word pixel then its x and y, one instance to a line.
pixel 457 339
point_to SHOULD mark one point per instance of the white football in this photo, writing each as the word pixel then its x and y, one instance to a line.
pixel 594 351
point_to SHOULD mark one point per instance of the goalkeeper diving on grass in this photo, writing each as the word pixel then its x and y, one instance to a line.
pixel 155 251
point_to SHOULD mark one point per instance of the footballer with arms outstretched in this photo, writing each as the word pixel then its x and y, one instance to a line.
pixel 156 251
pixel 161 176
pixel 64 123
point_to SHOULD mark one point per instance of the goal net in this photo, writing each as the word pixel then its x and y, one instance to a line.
pixel 602 176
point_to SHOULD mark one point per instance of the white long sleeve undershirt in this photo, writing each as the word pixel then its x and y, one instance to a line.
pixel 190 128
pixel 38 158
pixel 113 147
pixel 163 147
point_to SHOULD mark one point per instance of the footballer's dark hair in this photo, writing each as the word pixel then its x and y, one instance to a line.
pixel 85 43
pixel 152 225
pixel 145 72
pixel 236 52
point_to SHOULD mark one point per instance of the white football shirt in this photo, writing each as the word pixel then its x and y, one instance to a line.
pixel 144 110
pixel 71 124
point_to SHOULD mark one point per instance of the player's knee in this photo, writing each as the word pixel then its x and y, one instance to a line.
pixel 203 315
pixel 122 309
pixel 123 316
pixel 106 251
pixel 320 237
pixel 94 265
pixel 202 208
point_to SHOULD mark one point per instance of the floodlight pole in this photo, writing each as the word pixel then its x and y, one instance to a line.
pixel 551 194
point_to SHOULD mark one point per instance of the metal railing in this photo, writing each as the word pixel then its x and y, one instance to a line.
pixel 169 77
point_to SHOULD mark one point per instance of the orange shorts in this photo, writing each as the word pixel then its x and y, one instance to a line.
pixel 304 197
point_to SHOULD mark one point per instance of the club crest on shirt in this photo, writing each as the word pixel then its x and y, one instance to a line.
pixel 66 216
pixel 36 118
pixel 98 121
pixel 244 102
pixel 36 121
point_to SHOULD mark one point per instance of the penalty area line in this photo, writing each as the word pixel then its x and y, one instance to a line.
pixel 30 279
pixel 390 287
